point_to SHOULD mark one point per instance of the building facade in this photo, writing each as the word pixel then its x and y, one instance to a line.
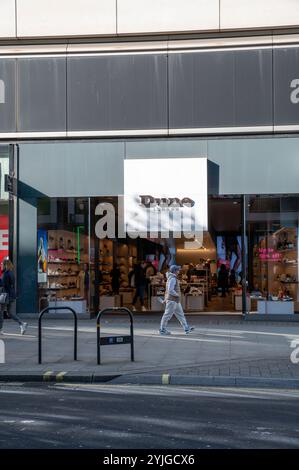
pixel 192 107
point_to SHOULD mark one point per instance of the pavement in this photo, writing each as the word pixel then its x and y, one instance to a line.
pixel 222 351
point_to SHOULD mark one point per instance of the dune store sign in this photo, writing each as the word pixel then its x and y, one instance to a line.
pixel 162 198
pixel 165 197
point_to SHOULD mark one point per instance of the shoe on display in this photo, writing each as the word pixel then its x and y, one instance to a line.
pixel 70 245
pixel 164 332
pixel 188 330
pixel 134 308
pixel 143 308
pixel 23 328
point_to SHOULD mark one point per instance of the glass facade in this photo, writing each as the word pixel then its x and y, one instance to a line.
pixel 78 267
pixel 64 186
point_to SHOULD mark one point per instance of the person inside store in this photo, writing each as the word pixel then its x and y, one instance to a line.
pixel 115 279
pixel 172 302
pixel 232 279
pixel 139 278
pixel 7 286
pixel 223 280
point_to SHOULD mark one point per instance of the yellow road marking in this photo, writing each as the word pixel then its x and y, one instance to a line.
pixel 47 375
pixel 60 376
pixel 165 379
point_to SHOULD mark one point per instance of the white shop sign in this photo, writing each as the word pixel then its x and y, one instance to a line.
pixel 165 196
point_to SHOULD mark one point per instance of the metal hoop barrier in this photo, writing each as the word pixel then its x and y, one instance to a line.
pixel 109 340
pixel 48 309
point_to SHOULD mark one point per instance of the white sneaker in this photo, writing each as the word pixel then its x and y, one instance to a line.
pixel 134 309
pixel 143 308
pixel 23 328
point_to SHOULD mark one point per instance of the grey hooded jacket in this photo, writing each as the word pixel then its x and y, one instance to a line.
pixel 173 291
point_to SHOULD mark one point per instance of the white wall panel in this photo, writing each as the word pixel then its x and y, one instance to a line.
pixel 65 17
pixel 7 19
pixel 147 16
pixel 238 14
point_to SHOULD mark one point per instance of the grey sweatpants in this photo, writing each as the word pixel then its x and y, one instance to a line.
pixel 174 308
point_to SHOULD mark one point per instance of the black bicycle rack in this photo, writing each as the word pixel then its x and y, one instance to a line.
pixel 48 309
pixel 119 339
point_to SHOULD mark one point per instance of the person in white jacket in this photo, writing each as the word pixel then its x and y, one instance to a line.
pixel 172 302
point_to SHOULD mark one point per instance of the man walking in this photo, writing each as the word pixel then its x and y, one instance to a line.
pixel 173 303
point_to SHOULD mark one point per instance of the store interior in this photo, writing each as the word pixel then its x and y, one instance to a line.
pixel 77 269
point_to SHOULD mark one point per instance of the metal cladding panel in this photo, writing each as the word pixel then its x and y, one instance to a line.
pixel 210 90
pixel 253 87
pixel 286 86
pixel 256 165
pixel 7 95
pixel 220 88
pixel 117 92
pixel 201 90
pixel 42 94
pixel 71 169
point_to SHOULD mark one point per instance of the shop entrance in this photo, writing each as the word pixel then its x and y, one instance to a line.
pixel 225 229
pixel 215 269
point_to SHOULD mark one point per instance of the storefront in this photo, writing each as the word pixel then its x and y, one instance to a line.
pixel 78 269
pixel 68 247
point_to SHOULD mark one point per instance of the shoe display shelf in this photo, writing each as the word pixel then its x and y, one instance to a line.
pixel 276 270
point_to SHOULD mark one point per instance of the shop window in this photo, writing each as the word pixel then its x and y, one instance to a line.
pixel 273 271
pixel 63 272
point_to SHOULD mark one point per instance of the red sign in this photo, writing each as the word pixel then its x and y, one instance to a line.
pixel 269 254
